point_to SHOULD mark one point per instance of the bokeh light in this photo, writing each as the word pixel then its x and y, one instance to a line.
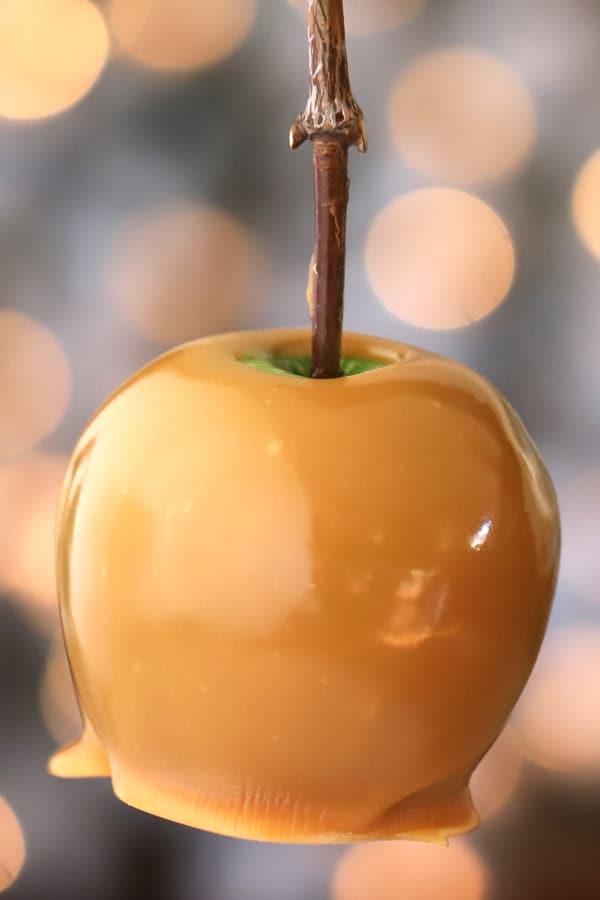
pixel 374 16
pixel 187 272
pixel 58 703
pixel 461 115
pixel 411 871
pixel 35 382
pixel 495 780
pixel 580 513
pixel 180 34
pixel 439 258
pixel 558 717
pixel 585 204
pixel 12 846
pixel 29 491
pixel 51 54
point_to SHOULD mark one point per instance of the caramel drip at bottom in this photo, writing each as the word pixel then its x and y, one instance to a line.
pixel 84 759
pixel 433 821
pixel 422 817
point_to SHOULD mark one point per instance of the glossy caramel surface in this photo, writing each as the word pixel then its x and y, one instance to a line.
pixel 296 609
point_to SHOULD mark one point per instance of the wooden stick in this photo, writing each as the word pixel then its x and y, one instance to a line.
pixel 332 121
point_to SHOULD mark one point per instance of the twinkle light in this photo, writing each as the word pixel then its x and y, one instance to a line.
pixel 12 846
pixel 462 115
pixel 51 54
pixel 187 272
pixel 439 258
pixel 35 382
pixel 387 871
pixel 180 34
pixel 558 717
pixel 585 204
pixel 29 490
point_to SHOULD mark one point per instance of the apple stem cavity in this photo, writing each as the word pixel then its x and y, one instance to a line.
pixel 300 366
pixel 332 121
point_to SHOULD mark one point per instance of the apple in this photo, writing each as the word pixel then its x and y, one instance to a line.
pixel 301 609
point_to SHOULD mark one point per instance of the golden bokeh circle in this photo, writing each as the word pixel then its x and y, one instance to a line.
pixel 187 272
pixel 29 492
pixel 388 871
pixel 585 204
pixel 35 382
pixel 52 52
pixel 180 34
pixel 462 115
pixel 558 717
pixel 12 846
pixel 439 258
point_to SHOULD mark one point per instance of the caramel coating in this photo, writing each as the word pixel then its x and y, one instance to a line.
pixel 298 609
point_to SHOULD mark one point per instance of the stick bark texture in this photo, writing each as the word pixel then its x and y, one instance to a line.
pixel 333 122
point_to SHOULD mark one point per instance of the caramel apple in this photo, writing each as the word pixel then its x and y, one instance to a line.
pixel 300 609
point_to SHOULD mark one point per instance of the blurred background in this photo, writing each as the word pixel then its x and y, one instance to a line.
pixel 147 196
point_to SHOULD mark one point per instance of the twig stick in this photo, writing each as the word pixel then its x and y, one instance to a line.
pixel 332 121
